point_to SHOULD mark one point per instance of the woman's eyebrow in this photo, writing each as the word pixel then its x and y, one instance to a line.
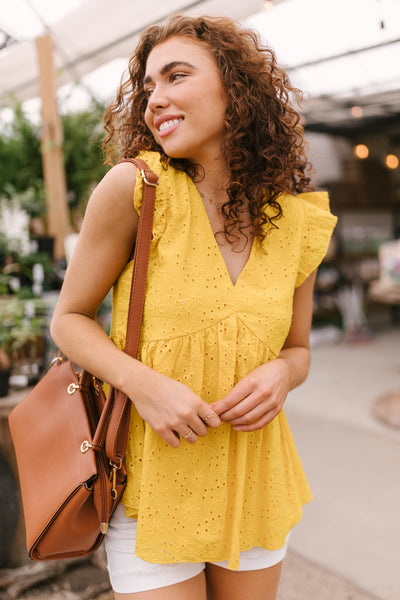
pixel 168 67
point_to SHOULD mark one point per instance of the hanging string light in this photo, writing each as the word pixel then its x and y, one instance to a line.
pixel 361 151
pixel 391 161
pixel 357 112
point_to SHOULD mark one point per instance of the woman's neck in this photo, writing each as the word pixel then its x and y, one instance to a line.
pixel 214 182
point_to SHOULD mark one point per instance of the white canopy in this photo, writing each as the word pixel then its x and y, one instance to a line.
pixel 343 53
pixel 94 33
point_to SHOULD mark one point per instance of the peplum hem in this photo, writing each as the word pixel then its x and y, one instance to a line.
pixel 232 490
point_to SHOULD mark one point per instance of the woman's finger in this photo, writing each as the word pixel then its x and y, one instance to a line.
pixel 189 436
pixel 211 419
pixel 172 438
pixel 267 418
pixel 256 411
pixel 199 427
pixel 261 398
pixel 251 416
pixel 235 396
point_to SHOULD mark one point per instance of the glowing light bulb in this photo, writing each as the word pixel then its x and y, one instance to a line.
pixel 357 112
pixel 361 151
pixel 391 161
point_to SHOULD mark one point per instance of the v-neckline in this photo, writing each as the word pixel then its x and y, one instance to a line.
pixel 217 247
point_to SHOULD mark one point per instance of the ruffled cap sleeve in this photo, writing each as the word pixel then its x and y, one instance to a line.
pixel 318 225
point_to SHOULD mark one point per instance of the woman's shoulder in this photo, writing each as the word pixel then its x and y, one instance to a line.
pixel 306 207
pixel 172 185
pixel 127 168
pixel 115 190
pixel 120 178
pixel 306 200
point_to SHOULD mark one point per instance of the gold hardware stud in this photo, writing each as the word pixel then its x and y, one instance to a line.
pixel 71 389
pixel 85 446
pixel 103 527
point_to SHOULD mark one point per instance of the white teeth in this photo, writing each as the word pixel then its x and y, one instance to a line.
pixel 168 124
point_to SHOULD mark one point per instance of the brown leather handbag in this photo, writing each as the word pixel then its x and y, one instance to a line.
pixel 70 440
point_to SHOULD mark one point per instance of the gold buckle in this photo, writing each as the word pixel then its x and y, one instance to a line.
pixel 113 478
pixel 116 466
pixel 143 174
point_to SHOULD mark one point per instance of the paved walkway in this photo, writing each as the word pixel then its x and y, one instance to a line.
pixel 347 545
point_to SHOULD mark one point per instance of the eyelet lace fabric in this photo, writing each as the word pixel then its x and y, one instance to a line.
pixel 231 490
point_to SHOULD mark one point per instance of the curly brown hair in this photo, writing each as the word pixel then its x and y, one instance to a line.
pixel 264 141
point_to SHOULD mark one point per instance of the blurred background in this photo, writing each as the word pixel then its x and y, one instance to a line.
pixel 60 64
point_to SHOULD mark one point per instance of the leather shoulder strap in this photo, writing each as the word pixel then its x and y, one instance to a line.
pixel 141 255
pixel 118 426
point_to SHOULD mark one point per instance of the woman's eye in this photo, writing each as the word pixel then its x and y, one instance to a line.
pixel 175 76
pixel 172 77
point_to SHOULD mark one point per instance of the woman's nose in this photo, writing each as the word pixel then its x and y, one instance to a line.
pixel 158 99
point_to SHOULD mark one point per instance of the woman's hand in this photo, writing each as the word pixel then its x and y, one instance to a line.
pixel 257 398
pixel 172 409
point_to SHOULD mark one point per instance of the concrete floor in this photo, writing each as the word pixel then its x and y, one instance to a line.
pixel 348 540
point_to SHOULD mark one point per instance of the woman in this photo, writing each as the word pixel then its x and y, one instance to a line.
pixel 214 480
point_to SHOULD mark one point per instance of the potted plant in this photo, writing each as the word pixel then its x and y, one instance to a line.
pixel 22 344
pixel 32 202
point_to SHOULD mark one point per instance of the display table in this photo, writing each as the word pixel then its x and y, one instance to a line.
pixel 379 291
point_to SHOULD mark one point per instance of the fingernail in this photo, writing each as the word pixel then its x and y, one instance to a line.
pixel 237 428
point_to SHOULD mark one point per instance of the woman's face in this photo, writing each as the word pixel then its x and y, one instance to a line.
pixel 186 102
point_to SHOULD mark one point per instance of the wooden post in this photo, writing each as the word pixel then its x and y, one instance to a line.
pixel 51 146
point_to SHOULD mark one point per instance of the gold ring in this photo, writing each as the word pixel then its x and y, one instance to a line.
pixel 210 414
pixel 187 435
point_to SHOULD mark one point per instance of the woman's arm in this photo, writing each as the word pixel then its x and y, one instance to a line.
pixel 259 396
pixel 103 249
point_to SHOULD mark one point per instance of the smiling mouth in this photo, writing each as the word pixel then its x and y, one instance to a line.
pixel 168 124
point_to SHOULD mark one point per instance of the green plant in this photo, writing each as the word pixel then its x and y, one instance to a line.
pixel 21 326
pixel 31 200
pixel 83 132
pixel 21 269
pixel 3 248
pixel 21 161
pixel 20 157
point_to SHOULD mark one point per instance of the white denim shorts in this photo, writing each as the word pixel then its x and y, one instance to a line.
pixel 130 574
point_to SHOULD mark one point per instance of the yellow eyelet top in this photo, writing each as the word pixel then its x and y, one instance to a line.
pixel 230 491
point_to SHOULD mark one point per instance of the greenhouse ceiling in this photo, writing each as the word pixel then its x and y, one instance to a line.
pixel 344 54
